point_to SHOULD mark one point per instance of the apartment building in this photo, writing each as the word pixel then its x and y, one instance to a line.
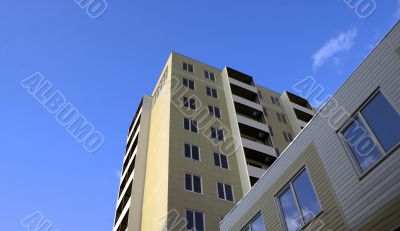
pixel 199 143
pixel 342 172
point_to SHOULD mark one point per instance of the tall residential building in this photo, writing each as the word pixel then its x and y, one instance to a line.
pixel 342 172
pixel 199 143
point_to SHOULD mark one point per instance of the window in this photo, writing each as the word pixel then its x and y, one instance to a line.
pixel 193 183
pixel 189 103
pixel 212 92
pixel 271 131
pixel 265 111
pixel 225 192
pixel 275 100
pixel 257 224
pixel 373 132
pixel 192 152
pixel 299 202
pixel 260 94
pixel 217 134
pixel 209 75
pixel 188 83
pixel 221 161
pixel 188 67
pixel 195 221
pixel 281 118
pixel 288 137
pixel 214 111
pixel 190 125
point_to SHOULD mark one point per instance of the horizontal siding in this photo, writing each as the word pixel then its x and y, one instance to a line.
pixel 358 199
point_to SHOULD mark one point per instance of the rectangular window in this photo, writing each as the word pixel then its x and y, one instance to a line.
pixel 214 111
pixel 192 152
pixel 193 183
pixel 271 131
pixel 373 133
pixel 225 192
pixel 195 221
pixel 260 94
pixel 281 117
pixel 275 100
pixel 189 84
pixel 212 92
pixel 217 134
pixel 188 67
pixel 189 103
pixel 299 202
pixel 190 125
pixel 256 224
pixel 221 161
pixel 209 75
pixel 265 111
pixel 288 137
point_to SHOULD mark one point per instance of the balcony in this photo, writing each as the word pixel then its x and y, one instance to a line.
pixel 303 116
pixel 239 76
pixel 252 123
pixel 298 101
pixel 243 85
pixel 247 103
pixel 256 147
pixel 255 171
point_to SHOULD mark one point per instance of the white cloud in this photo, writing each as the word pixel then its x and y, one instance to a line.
pixel 397 12
pixel 343 42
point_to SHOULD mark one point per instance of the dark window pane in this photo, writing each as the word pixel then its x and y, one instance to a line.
pixel 199 222
pixel 208 91
pixel 290 212
pixel 191 85
pixel 216 160
pixel 185 82
pixel 221 135
pixel 229 193
pixel 187 150
pixel 306 197
pixel 224 161
pixel 197 184
pixel 217 113
pixel 195 153
pixel 213 133
pixel 212 76
pixel 194 126
pixel 211 110
pixel 220 191
pixel 192 103
pixel 362 146
pixel 383 120
pixel 215 93
pixel 206 74
pixel 279 117
pixel 185 102
pixel 273 100
pixel 187 124
pixel 188 182
pixel 189 218
pixel 185 66
pixel 190 68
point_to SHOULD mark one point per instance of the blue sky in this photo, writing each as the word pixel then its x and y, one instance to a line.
pixel 104 66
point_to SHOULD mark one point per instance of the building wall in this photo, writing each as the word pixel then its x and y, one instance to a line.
pixel 365 201
pixel 330 218
pixel 178 199
pixel 272 119
pixel 155 201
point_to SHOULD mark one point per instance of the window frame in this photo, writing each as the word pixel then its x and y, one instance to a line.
pixel 212 91
pixel 220 161
pixel 187 67
pixel 249 224
pixel 289 186
pixel 194 218
pixel 207 75
pixel 188 83
pixel 190 125
pixel 357 114
pixel 189 101
pixel 224 192
pixel 192 177
pixel 217 130
pixel 191 151
pixel 214 114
